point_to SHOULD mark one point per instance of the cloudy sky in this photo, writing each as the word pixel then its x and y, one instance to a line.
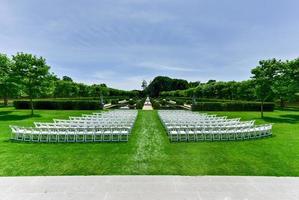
pixel 121 42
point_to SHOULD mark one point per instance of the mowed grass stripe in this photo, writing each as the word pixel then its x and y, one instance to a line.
pixel 150 142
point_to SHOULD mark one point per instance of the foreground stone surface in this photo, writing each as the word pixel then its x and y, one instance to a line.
pixel 149 187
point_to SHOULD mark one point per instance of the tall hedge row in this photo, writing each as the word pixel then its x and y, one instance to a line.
pixel 155 104
pixel 60 105
pixel 196 99
pixel 232 106
pixel 140 103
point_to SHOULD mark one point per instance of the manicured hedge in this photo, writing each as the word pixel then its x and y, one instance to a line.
pixel 114 101
pixel 163 102
pixel 179 102
pixel 131 102
pixel 155 104
pixel 140 103
pixel 59 105
pixel 197 99
pixel 232 106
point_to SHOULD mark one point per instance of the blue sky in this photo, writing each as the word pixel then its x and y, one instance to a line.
pixel 122 42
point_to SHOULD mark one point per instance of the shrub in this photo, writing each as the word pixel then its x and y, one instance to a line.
pixel 107 101
pixel 155 104
pixel 114 101
pixel 163 102
pixel 232 106
pixel 189 102
pixel 59 105
pixel 131 102
pixel 179 102
pixel 140 103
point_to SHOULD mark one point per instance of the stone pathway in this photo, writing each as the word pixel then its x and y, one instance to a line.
pixel 147 104
pixel 149 187
pixel 147 107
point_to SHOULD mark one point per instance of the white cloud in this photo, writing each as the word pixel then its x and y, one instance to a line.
pixel 163 67
pixel 104 75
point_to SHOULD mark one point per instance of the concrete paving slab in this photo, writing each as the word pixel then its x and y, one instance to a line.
pixel 149 187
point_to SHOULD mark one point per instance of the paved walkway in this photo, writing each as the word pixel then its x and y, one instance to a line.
pixel 147 104
pixel 148 187
pixel 147 107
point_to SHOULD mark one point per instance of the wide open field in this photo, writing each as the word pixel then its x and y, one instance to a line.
pixel 150 152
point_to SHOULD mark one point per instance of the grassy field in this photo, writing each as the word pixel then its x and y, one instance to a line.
pixel 150 152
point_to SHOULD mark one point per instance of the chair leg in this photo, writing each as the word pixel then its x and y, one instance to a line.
pixel 27 137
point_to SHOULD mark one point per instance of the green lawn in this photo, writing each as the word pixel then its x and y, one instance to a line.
pixel 150 152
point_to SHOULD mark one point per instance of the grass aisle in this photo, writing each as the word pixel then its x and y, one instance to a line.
pixel 150 142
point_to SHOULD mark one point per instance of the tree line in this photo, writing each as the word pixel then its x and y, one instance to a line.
pixel 272 80
pixel 164 83
pixel 28 76
pixel 231 90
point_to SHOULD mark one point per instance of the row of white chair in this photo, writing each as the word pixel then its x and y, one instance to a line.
pixel 77 131
pixel 190 126
pixel 198 123
pixel 208 127
pixel 70 134
pixel 103 125
pixel 220 134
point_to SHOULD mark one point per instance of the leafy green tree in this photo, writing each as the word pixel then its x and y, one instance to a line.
pixel 193 84
pixel 281 83
pixel 286 83
pixel 209 90
pixel 66 88
pixel 264 75
pixel 211 81
pixel 32 73
pixel 179 84
pixel 220 90
pixel 232 90
pixel 144 84
pixel 83 90
pixel 66 78
pixel 99 91
pixel 198 91
pixel 163 83
pixel 245 90
pixel 8 87
pixel 294 75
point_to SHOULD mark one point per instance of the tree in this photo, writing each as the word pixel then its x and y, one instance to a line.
pixel 83 90
pixel 66 78
pixel 193 84
pixel 32 73
pixel 144 85
pixel 282 83
pixel 7 84
pixel 211 81
pixel 286 83
pixel 264 78
pixel 284 79
pixel 294 75
pixel 99 91
pixel 66 88
pixel 163 83
pixel 245 90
